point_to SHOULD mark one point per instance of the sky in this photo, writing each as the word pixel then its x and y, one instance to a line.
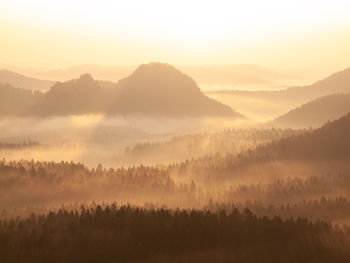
pixel 294 34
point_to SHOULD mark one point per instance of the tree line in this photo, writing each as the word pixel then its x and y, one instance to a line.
pixel 132 234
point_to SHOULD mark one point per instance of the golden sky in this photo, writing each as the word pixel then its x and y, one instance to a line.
pixel 298 34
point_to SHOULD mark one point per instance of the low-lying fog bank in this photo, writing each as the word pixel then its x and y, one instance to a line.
pixel 94 139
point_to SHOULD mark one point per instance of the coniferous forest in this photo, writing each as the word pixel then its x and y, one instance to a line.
pixel 203 209
pixel 174 131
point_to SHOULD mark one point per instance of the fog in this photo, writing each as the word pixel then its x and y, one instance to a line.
pixel 188 131
pixel 94 139
pixel 146 142
pixel 187 162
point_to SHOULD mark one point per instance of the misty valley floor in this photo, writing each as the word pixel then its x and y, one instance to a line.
pixel 245 195
pixel 153 169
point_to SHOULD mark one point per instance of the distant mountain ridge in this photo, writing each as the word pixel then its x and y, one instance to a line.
pixel 317 112
pixel 153 89
pixel 203 74
pixel 21 81
pixel 336 83
pixel 110 73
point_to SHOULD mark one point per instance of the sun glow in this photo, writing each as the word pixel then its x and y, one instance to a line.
pixel 178 32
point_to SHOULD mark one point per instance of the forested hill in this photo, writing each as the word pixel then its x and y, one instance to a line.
pixel 154 89
pixel 20 81
pixel 161 89
pixel 331 141
pixel 317 112
pixel 328 144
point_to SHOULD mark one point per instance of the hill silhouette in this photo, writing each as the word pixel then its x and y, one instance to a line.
pixel 336 83
pixel 158 88
pixel 17 101
pixel 22 81
pixel 77 96
pixel 203 74
pixel 294 96
pixel 317 112
pixel 240 76
pixel 331 141
pixel 153 89
pixel 110 73
pixel 323 148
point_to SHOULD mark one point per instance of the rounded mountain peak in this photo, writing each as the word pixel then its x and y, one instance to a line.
pixel 86 77
pixel 157 69
pixel 160 77
pixel 156 66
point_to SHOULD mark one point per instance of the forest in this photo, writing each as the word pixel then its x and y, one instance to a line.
pixel 238 195
pixel 128 234
pixel 120 157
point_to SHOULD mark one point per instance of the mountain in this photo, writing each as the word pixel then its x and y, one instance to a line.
pixel 110 73
pixel 22 81
pixel 78 96
pixel 206 75
pixel 276 102
pixel 154 89
pixel 239 76
pixel 316 112
pixel 291 155
pixel 336 83
pixel 159 89
pixel 17 101
pixel 331 141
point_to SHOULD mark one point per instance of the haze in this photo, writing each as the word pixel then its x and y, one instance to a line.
pixel 310 36
pixel 174 131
